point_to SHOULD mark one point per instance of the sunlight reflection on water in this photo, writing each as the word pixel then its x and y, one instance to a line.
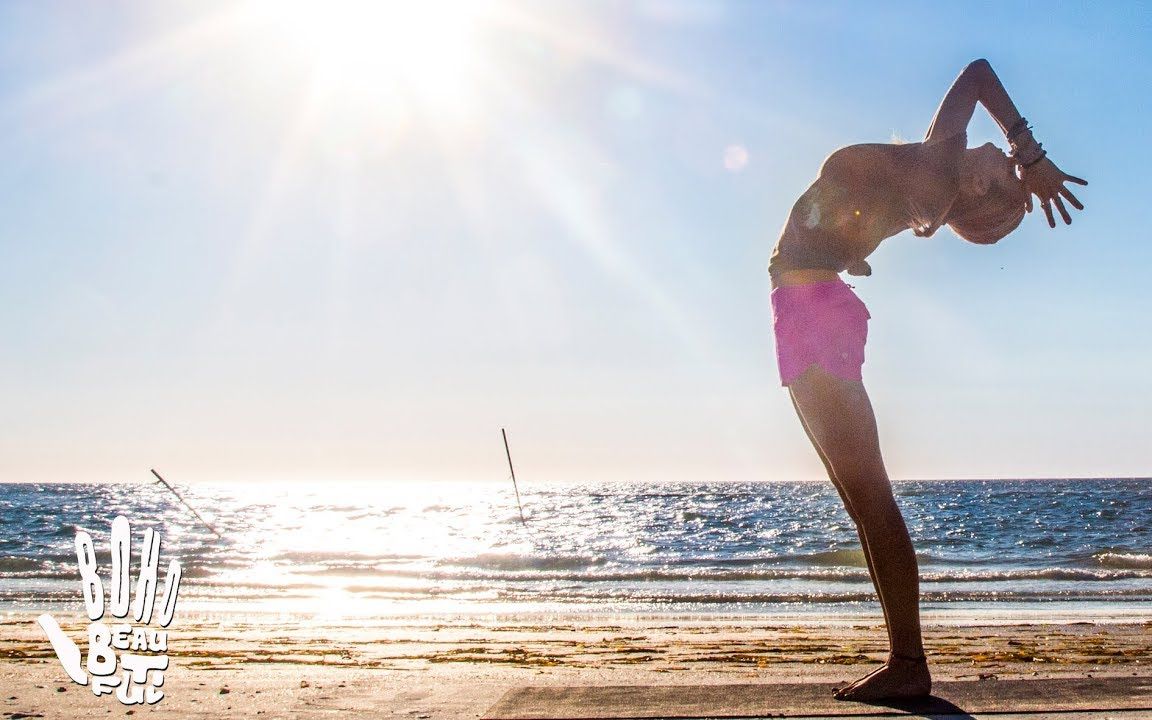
pixel 400 548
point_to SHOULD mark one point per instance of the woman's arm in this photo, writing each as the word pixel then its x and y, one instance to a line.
pixel 978 83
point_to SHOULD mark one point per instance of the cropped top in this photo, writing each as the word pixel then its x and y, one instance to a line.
pixel 853 206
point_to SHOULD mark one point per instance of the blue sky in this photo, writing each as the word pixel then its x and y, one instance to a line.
pixel 242 244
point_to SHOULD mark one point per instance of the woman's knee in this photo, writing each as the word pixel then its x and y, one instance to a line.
pixel 883 524
pixel 864 482
pixel 871 500
pixel 847 501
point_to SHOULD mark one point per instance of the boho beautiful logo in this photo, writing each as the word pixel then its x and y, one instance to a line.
pixel 142 657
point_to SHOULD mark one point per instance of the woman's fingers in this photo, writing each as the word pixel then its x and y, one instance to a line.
pixel 1049 188
pixel 1071 198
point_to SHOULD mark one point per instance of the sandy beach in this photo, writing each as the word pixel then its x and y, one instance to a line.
pixel 457 668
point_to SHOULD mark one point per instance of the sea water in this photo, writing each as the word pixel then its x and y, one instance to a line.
pixel 1003 547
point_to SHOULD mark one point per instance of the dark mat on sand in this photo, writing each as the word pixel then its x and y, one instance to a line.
pixel 815 699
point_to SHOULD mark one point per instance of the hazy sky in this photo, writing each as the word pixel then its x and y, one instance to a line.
pixel 352 240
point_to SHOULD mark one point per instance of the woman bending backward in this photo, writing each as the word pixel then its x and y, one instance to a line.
pixel 864 194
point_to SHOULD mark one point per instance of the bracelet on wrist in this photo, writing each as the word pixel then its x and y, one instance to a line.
pixel 1043 154
pixel 1025 150
pixel 1017 127
pixel 1029 154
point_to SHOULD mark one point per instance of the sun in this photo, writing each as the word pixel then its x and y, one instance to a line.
pixel 423 52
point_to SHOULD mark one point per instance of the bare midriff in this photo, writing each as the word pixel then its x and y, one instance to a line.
pixel 803 276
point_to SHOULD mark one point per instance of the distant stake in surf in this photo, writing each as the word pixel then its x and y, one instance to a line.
pixel 185 502
pixel 513 471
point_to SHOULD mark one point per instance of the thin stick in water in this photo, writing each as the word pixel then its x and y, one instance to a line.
pixel 513 470
pixel 181 499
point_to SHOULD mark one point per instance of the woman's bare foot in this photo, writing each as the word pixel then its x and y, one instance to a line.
pixel 900 677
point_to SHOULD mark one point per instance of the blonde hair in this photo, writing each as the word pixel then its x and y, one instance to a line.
pixel 985 219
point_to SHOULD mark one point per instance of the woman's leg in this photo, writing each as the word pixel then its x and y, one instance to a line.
pixel 847 506
pixel 838 416
pixel 859 533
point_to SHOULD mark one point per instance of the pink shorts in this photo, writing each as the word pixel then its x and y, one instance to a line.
pixel 821 323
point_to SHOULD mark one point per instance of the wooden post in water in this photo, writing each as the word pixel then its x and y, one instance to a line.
pixel 513 470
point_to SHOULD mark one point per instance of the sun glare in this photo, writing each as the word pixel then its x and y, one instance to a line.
pixel 424 52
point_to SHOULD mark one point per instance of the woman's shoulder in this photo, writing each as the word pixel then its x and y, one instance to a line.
pixel 944 153
pixel 857 159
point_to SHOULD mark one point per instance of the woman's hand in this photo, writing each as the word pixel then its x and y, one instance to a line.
pixel 1046 181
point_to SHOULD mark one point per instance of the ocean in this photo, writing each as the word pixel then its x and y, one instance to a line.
pixel 998 548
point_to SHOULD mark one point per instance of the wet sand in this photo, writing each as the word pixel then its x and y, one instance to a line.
pixel 442 668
